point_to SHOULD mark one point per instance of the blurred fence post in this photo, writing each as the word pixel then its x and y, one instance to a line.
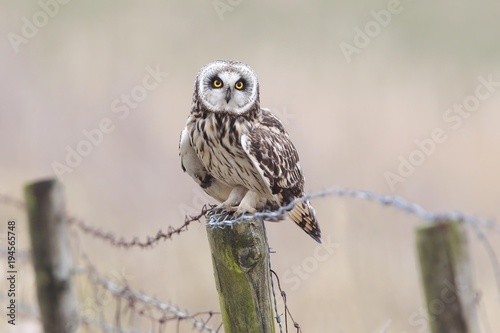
pixel 446 277
pixel 51 255
pixel 240 256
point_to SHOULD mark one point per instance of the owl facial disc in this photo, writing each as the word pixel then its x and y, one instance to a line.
pixel 227 86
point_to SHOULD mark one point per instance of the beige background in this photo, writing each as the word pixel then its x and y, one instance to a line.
pixel 349 121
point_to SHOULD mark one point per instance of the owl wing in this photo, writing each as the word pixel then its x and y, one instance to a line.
pixel 191 163
pixel 275 157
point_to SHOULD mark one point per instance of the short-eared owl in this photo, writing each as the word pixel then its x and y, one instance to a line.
pixel 238 152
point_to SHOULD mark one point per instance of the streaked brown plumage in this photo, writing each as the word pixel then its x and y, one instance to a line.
pixel 238 152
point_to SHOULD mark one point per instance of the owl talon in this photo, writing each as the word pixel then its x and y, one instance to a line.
pixel 232 202
pixel 224 208
pixel 248 205
pixel 246 210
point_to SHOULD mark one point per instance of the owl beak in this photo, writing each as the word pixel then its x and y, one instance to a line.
pixel 228 95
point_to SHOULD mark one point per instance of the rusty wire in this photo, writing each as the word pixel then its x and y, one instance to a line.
pixel 287 309
pixel 149 242
pixel 133 297
pixel 157 311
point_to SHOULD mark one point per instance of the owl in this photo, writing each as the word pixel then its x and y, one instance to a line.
pixel 238 152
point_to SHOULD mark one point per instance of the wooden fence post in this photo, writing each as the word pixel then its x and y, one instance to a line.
pixel 446 277
pixel 240 256
pixel 51 256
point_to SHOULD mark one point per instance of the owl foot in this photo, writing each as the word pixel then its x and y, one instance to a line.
pixel 249 204
pixel 225 208
pixel 232 202
pixel 244 210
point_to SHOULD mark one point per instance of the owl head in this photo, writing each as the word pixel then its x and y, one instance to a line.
pixel 227 86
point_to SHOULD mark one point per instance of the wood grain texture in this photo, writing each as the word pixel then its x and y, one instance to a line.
pixel 446 277
pixel 51 256
pixel 242 275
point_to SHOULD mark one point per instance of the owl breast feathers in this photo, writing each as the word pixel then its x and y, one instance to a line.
pixel 238 152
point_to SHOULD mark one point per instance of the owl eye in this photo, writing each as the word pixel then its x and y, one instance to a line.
pixel 216 83
pixel 239 85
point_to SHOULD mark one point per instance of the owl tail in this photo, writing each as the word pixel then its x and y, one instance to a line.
pixel 304 216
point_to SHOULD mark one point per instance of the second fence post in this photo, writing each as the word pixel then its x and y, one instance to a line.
pixel 51 255
pixel 447 277
pixel 240 256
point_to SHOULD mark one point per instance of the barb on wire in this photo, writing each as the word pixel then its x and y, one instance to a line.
pixel 386 200
pixel 147 304
pixel 287 309
pixel 150 241
pixel 278 316
pixel 219 220
pixel 113 239
pixel 31 311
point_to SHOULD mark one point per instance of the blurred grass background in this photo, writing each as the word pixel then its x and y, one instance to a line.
pixel 349 122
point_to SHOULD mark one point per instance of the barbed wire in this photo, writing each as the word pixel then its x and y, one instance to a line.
pixel 222 220
pixel 160 313
pixel 132 298
pixel 168 311
pixel 491 255
pixel 31 311
pixel 150 241
pixel 287 309
pixel 282 293
pixel 277 316
pixel 110 237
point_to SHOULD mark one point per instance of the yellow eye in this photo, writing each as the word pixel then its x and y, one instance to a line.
pixel 239 85
pixel 217 83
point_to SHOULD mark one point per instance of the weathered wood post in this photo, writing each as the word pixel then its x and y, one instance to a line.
pixel 446 277
pixel 240 256
pixel 51 256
